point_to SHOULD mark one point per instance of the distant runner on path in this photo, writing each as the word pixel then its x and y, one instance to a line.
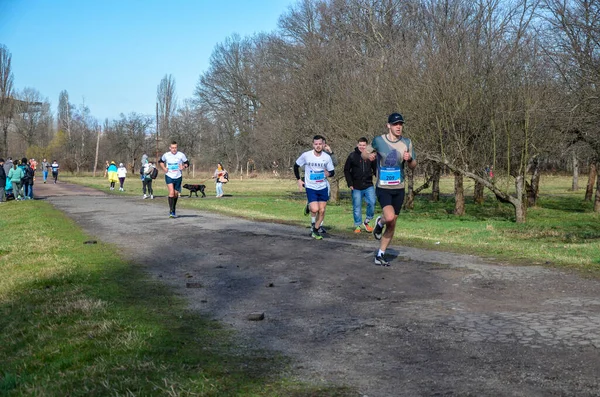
pixel 172 162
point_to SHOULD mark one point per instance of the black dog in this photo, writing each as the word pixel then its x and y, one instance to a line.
pixel 195 189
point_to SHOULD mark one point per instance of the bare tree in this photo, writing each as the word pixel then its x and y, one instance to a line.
pixel 6 92
pixel 167 104
pixel 65 113
pixel 32 116
pixel 574 45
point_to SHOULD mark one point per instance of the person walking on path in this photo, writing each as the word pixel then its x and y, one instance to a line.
pixel 45 167
pixel 121 174
pixel 318 166
pixel 221 176
pixel 393 152
pixel 15 175
pixel 55 167
pixel 2 181
pixel 359 177
pixel 106 165
pixel 111 172
pixel 172 162
pixel 146 172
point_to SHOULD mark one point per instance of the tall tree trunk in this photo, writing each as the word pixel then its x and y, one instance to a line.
pixel 478 193
pixel 435 189
pixel 575 184
pixel 334 195
pixel 597 201
pixel 519 203
pixel 533 189
pixel 409 203
pixel 459 194
pixel 589 190
pixel 5 140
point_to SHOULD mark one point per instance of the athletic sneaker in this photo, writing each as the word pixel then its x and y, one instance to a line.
pixel 306 210
pixel 380 260
pixel 315 234
pixel 377 230
pixel 151 197
pixel 367 227
pixel 172 215
pixel 145 197
pixel 357 229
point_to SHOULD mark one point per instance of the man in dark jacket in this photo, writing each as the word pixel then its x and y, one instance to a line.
pixel 359 177
pixel 2 180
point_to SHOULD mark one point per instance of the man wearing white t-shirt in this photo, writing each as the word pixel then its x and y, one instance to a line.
pixel 318 166
pixel 172 162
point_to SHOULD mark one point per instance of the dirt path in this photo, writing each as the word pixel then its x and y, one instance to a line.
pixel 434 324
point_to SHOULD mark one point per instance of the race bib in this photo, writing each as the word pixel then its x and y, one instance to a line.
pixel 173 166
pixel 317 176
pixel 389 176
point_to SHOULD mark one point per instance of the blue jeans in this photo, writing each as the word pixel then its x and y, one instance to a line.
pixel 45 172
pixel 357 196
pixel 219 189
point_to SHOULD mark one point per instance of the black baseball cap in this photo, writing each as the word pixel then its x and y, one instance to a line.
pixel 395 118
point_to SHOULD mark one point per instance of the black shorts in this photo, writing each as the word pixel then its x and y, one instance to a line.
pixel 393 197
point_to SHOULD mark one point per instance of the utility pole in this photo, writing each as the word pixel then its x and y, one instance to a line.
pixel 156 135
pixel 98 129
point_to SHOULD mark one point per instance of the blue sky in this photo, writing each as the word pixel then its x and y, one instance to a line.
pixel 112 54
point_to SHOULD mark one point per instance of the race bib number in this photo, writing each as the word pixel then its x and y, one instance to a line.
pixel 173 166
pixel 317 176
pixel 389 176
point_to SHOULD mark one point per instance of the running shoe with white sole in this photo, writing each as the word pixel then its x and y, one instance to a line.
pixel 377 230
pixel 381 261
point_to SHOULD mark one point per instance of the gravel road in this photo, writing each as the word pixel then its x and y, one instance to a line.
pixel 433 324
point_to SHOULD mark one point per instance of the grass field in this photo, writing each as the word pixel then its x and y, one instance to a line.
pixel 76 320
pixel 561 231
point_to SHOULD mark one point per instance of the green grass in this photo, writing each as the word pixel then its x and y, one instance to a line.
pixel 561 231
pixel 77 320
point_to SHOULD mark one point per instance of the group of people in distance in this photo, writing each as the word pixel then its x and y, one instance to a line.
pixel 386 157
pixel 17 177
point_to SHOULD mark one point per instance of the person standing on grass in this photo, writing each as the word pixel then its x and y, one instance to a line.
pixel 27 180
pixel 392 152
pixel 121 174
pixel 318 166
pixel 15 175
pixel 111 172
pixel 359 177
pixel 2 180
pixel 172 162
pixel 221 177
pixel 55 167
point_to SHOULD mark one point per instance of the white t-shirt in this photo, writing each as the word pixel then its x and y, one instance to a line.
pixel 173 162
pixel 121 172
pixel 314 169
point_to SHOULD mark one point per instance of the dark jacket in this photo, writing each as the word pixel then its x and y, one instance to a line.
pixel 27 174
pixel 2 177
pixel 359 172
